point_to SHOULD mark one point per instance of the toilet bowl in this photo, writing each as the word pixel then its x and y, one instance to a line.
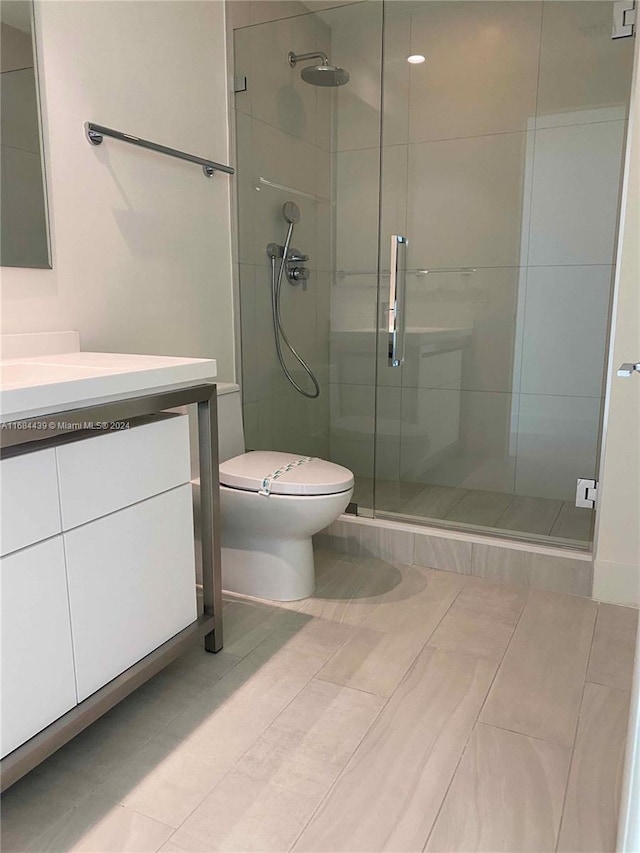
pixel 271 504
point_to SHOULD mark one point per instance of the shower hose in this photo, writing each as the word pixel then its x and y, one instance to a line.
pixel 278 329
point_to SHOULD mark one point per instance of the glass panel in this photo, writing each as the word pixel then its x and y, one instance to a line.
pixel 319 147
pixel 501 164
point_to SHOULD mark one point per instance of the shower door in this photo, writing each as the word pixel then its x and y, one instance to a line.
pixel 501 161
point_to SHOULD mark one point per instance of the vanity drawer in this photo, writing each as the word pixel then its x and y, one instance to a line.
pixel 107 472
pixel 38 682
pixel 29 492
pixel 131 585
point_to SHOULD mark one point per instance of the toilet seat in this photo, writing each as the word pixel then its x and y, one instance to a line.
pixel 270 472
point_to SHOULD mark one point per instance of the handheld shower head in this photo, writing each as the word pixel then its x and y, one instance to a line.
pixel 319 75
pixel 291 212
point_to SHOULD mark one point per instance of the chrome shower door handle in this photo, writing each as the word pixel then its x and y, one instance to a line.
pixel 395 325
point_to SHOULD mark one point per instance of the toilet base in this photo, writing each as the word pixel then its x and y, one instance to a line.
pixel 275 569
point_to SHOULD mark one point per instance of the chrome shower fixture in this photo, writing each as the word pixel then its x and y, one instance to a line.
pixel 319 75
pixel 291 212
pixel 289 262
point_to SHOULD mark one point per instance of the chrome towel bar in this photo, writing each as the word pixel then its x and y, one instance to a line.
pixel 96 132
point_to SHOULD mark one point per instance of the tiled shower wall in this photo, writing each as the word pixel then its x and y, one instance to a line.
pixel 502 155
pixel 283 129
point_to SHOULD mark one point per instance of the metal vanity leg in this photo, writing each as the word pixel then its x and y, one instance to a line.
pixel 210 518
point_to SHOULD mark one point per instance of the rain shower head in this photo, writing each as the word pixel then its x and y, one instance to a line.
pixel 319 75
pixel 324 75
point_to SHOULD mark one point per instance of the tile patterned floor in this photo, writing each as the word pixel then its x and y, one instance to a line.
pixel 559 520
pixel 399 709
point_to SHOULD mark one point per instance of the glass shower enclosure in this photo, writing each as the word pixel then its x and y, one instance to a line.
pixel 459 213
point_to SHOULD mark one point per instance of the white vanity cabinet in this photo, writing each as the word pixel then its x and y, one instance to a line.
pixel 131 584
pixel 30 506
pixel 38 681
pixel 113 577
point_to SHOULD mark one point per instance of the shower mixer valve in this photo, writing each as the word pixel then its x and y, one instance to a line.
pixel 294 267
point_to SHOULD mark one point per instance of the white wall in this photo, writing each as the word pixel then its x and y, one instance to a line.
pixel 141 242
pixel 617 547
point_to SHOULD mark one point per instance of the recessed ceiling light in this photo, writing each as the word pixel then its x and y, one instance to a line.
pixel 415 58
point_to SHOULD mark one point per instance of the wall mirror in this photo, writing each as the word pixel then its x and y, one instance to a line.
pixel 24 237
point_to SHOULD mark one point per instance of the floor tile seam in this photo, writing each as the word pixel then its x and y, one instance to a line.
pixel 593 640
pixel 460 499
pixel 66 813
pixel 515 731
pixel 425 644
pixel 475 524
pixel 504 654
pixel 201 693
pixel 364 692
pixel 437 625
pixel 355 625
pixel 512 731
pixel 365 573
pixel 386 701
pixel 615 687
pixel 431 644
pixel 352 598
pixel 527 734
pixel 549 528
pixel 241 756
pixel 587 662
pixel 505 510
pixel 145 742
pixel 340 647
pixel 209 790
pixel 408 500
pixel 340 774
pixel 154 819
pixel 234 766
pixel 463 752
pixel 140 814
pixel 572 758
pixel 555 520
pixel 471 731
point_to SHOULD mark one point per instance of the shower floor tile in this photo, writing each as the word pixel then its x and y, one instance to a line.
pixel 558 520
pixel 481 508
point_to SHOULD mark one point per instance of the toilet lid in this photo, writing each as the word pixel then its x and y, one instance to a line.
pixel 284 474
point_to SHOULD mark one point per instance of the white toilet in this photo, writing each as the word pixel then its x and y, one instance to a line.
pixel 271 505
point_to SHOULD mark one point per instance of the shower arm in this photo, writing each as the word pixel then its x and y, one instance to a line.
pixel 303 57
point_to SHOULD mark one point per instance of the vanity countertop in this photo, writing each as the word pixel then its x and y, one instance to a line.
pixel 43 384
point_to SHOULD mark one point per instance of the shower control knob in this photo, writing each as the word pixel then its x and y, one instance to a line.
pixel 298 274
